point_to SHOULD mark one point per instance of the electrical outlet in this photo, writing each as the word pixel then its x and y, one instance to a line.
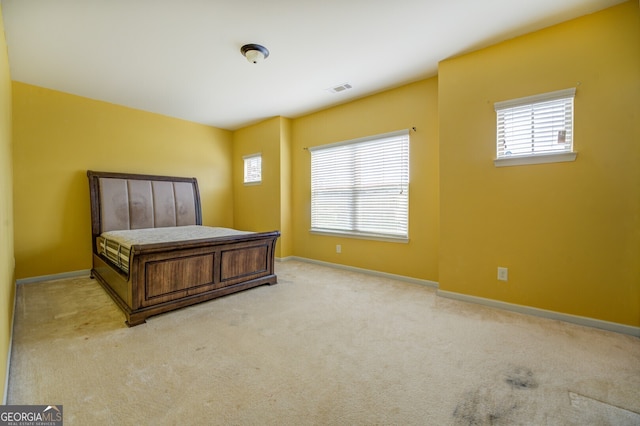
pixel 338 248
pixel 503 273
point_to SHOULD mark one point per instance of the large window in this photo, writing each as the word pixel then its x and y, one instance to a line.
pixel 361 187
pixel 539 126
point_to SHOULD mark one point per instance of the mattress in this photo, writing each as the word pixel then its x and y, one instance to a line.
pixel 116 245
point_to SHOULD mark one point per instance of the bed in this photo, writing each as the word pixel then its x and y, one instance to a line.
pixel 182 266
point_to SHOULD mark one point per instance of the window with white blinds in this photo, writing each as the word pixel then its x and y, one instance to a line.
pixel 535 125
pixel 361 187
pixel 252 168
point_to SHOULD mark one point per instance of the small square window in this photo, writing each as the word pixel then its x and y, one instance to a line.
pixel 252 169
pixel 535 129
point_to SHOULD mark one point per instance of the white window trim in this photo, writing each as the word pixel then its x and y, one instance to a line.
pixel 244 160
pixel 536 158
pixel 356 234
pixel 549 96
pixel 360 236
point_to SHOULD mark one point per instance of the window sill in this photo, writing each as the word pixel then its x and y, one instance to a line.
pixel 535 159
pixel 259 182
pixel 360 236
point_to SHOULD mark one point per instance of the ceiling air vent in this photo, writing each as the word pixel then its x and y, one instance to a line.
pixel 340 88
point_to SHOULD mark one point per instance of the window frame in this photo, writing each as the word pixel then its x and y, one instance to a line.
pixel 246 162
pixel 543 157
pixel 357 228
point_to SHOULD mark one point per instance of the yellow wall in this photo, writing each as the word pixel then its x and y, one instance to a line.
pixel 413 105
pixel 286 226
pixel 568 232
pixel 7 278
pixel 258 207
pixel 58 137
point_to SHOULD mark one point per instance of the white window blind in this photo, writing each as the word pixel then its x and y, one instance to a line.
pixel 535 125
pixel 252 168
pixel 361 187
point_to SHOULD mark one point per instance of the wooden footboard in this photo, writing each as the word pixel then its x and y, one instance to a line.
pixel 164 277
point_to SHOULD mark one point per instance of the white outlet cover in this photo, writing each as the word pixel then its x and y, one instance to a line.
pixel 503 273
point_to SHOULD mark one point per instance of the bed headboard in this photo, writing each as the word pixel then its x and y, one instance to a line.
pixel 130 201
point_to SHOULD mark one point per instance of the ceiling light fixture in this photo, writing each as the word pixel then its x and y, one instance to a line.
pixel 254 52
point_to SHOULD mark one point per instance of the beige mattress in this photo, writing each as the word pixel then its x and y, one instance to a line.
pixel 116 245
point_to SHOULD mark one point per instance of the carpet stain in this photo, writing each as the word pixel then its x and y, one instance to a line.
pixel 521 378
pixel 483 407
pixel 494 404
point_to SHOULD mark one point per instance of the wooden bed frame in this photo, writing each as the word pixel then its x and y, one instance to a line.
pixel 167 276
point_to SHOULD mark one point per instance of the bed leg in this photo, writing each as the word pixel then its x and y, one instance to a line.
pixel 132 321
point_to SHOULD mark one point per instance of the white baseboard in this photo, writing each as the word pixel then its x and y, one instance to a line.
pixel 362 270
pixel 62 276
pixel 543 313
pixel 574 319
pixel 10 350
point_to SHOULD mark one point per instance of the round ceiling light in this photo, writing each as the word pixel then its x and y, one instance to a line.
pixel 254 53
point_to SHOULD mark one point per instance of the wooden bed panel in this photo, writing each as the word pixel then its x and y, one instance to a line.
pixel 177 276
pixel 119 286
pixel 118 282
pixel 242 263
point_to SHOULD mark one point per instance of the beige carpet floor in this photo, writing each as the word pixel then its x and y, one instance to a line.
pixel 323 347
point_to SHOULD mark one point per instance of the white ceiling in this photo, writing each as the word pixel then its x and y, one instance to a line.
pixel 181 58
